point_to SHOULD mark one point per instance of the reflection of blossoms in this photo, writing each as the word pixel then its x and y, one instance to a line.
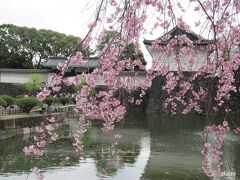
pixel 117 138
pixel 32 149
pixel 41 140
pixel 41 143
pixel 206 164
pixel 38 173
pixel 64 161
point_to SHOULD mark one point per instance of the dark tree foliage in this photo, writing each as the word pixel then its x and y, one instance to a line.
pixel 9 100
pixel 3 103
pixel 23 47
pixel 129 52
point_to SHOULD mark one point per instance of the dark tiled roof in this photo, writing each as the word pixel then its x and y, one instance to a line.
pixel 24 70
pixel 177 31
pixel 91 62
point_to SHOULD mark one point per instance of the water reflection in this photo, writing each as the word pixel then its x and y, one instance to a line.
pixel 153 146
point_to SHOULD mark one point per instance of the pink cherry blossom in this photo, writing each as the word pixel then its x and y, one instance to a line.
pixel 192 69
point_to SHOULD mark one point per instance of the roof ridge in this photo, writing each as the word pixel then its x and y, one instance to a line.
pixel 182 31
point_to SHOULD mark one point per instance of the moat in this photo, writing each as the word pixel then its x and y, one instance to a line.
pixel 152 147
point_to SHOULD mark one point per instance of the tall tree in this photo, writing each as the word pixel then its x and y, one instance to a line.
pixel 14 53
pixel 23 47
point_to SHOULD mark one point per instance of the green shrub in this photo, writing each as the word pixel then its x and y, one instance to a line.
pixel 49 100
pixel 64 100
pixel 27 103
pixel 3 103
pixel 9 99
pixel 20 96
pixel 34 84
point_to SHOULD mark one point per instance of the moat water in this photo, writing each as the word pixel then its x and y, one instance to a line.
pixel 152 147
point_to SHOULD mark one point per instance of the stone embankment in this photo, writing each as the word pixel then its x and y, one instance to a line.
pixel 14 125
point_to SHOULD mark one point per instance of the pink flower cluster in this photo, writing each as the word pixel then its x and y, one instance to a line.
pixel 43 94
pixel 226 83
pixel 32 149
pixel 171 82
pixel 213 151
pixel 77 59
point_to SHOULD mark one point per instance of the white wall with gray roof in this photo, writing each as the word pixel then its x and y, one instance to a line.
pixel 21 76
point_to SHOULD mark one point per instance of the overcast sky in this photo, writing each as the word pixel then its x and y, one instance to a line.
pixel 66 16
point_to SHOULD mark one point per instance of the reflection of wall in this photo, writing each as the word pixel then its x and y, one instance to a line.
pixel 176 145
pixel 13 160
pixel 236 160
pixel 164 123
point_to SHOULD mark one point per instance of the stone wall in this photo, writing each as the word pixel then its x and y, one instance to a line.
pixel 19 125
pixel 156 97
